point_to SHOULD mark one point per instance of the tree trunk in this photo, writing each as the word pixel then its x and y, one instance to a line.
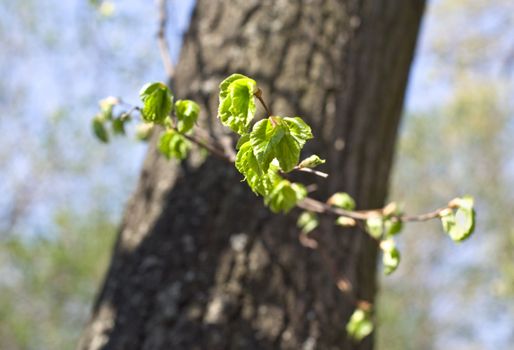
pixel 200 263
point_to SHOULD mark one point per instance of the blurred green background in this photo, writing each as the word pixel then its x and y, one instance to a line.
pixel 63 193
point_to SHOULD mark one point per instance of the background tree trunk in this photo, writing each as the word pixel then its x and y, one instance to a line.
pixel 200 263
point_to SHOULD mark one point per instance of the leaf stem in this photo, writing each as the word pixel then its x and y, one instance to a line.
pixel 208 146
pixel 258 94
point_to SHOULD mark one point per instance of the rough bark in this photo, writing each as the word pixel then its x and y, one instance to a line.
pixel 200 263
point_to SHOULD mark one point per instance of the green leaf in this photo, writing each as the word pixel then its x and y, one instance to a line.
pixel 99 129
pixel 390 256
pixel 144 131
pixel 284 196
pixel 460 224
pixel 342 200
pixel 242 140
pixel 288 149
pixel 187 112
pixel 173 145
pixel 118 126
pixel 375 226
pixel 237 103
pixel 279 138
pixel 345 221
pixel 107 105
pixel 158 102
pixel 311 162
pixel 360 325
pixel 299 130
pixel 307 221
pixel 260 181
pixel 264 138
pixel 392 227
pixel 247 164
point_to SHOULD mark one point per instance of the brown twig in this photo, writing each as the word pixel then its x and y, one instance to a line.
pixel 164 48
pixel 208 146
pixel 312 171
pixel 258 94
pixel 309 203
pixel 314 205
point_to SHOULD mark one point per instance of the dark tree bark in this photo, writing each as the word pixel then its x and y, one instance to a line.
pixel 200 263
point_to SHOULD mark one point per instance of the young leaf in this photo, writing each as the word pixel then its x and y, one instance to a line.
pixel 237 103
pixel 107 106
pixel 461 224
pixel 264 138
pixel 247 164
pixel 311 162
pixel 144 131
pixel 390 256
pixel 242 140
pixel 280 138
pixel 307 221
pixel 345 221
pixel 173 145
pixel 187 114
pixel 392 227
pixel 99 129
pixel 288 149
pixel 360 325
pixel 299 130
pixel 375 226
pixel 118 126
pixel 284 196
pixel 342 200
pixel 158 102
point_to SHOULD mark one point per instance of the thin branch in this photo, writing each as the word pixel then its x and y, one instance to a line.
pixel 164 48
pixel 314 205
pixel 312 171
pixel 307 203
pixel 424 217
pixel 208 146
pixel 258 94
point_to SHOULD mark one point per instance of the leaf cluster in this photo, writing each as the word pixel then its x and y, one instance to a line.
pixel 266 151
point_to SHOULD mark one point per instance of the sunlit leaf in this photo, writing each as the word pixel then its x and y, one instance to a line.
pixel 390 256
pixel 264 138
pixel 345 221
pixel 237 102
pixel 107 105
pixel 375 226
pixel 311 162
pixel 342 200
pixel 242 140
pixel 247 164
pixel 157 102
pixel 173 145
pixel 307 221
pixel 392 227
pixel 459 224
pixel 284 196
pixel 279 138
pixel 360 324
pixel 144 131
pixel 187 112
